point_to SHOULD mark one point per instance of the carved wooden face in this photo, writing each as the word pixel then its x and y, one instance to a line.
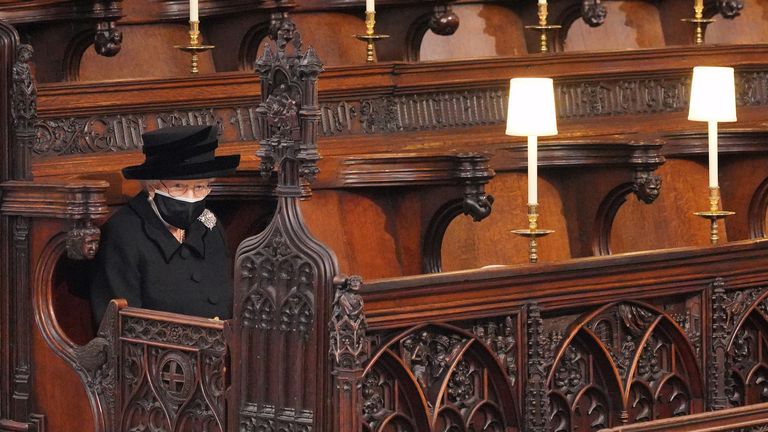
pixel 89 245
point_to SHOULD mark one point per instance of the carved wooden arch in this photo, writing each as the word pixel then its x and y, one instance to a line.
pixel 744 316
pixel 565 19
pixel 606 214
pixel 96 362
pixel 73 54
pixel 414 36
pixel 609 208
pixel 661 322
pixel 249 45
pixel 433 238
pixel 747 369
pixel 468 348
pixel 758 210
pixel 415 406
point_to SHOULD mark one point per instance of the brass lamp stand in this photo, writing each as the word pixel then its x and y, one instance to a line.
pixel 714 214
pixel 543 27
pixel 370 37
pixel 532 233
pixel 195 47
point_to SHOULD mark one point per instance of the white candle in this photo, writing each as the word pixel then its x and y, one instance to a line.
pixel 542 2
pixel 533 170
pixel 370 6
pixel 193 11
pixel 713 154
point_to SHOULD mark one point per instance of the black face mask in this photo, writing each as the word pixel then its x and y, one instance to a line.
pixel 178 213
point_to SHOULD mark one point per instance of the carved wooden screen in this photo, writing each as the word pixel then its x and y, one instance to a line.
pixel 443 377
pixel 172 375
pixel 283 276
pixel 625 362
pixel 740 343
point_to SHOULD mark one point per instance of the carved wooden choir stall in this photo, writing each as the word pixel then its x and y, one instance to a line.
pixel 399 173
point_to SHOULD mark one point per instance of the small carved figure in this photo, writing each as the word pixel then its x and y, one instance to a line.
pixel 647 188
pixel 416 356
pixel 479 207
pixel 24 110
pixel 83 242
pixel 350 301
pixel 593 13
pixel 281 113
pixel 108 39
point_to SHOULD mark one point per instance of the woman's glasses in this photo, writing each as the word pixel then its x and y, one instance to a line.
pixel 180 189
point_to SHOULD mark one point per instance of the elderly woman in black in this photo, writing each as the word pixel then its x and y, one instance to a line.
pixel 165 250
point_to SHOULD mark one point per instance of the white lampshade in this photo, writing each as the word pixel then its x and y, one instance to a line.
pixel 531 109
pixel 713 95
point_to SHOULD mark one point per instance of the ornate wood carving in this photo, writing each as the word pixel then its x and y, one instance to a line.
pixel 730 9
pixel 83 241
pixel 284 277
pixel 443 21
pixel 537 404
pixel 593 12
pixel 23 111
pixel 500 339
pixel 98 364
pixel 172 373
pixel 469 170
pixel 288 114
pixel 349 350
pixel 108 39
pixel 439 377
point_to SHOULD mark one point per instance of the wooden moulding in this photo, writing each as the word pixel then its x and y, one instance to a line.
pixel 64 200
pixel 750 416
pixel 581 282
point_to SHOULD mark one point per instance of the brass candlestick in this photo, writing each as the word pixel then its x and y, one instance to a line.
pixel 195 47
pixel 532 232
pixel 543 27
pixel 714 213
pixel 370 37
pixel 699 20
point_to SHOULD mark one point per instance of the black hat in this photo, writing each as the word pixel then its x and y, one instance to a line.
pixel 181 152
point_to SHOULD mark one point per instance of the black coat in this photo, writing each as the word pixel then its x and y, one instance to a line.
pixel 140 260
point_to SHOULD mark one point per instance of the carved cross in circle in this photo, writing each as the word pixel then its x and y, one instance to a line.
pixel 172 376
